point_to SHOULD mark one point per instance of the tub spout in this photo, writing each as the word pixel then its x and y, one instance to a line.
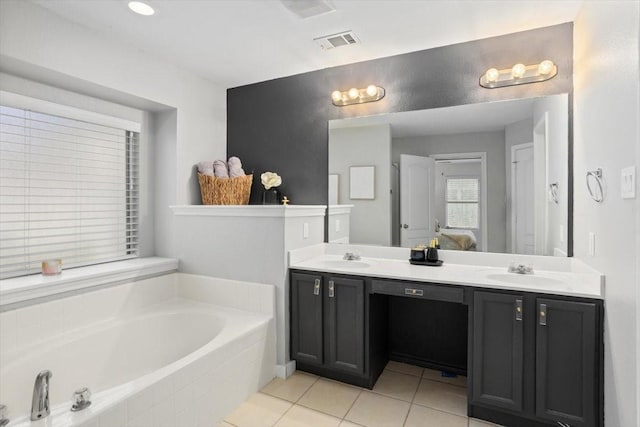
pixel 40 404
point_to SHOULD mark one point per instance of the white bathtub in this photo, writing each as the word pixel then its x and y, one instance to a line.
pixel 175 350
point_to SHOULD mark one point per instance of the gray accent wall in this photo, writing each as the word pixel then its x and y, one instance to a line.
pixel 281 125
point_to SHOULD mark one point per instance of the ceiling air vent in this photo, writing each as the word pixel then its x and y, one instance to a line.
pixel 345 38
pixel 308 8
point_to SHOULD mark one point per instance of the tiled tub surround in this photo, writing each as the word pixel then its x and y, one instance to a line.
pixel 566 276
pixel 172 350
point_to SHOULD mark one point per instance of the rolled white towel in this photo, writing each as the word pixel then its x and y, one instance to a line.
pixel 205 168
pixel 235 167
pixel 220 169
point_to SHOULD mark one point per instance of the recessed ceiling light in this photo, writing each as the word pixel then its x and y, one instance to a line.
pixel 141 8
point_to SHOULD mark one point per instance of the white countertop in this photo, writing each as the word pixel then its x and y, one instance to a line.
pixel 564 276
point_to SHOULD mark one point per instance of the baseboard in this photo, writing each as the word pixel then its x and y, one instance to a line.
pixel 286 370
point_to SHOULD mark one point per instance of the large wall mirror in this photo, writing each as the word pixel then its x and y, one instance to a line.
pixel 487 177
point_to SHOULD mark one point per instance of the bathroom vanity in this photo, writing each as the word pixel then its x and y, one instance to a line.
pixel 530 345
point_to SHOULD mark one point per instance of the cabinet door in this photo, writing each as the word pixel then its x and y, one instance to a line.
pixel 306 318
pixel 345 324
pixel 497 350
pixel 566 355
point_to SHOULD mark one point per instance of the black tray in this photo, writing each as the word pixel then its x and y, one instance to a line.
pixel 437 263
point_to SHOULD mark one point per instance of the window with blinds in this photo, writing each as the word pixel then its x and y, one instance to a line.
pixel 68 189
pixel 463 202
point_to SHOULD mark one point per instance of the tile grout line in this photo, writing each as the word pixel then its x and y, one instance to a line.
pixel 344 418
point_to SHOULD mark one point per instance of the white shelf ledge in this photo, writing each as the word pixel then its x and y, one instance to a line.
pixel 20 289
pixel 272 211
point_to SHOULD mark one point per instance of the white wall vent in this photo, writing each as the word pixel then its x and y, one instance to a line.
pixel 308 8
pixel 345 38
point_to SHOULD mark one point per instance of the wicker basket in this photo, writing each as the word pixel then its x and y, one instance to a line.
pixel 225 191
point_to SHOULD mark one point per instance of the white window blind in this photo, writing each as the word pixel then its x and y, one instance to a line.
pixel 68 189
pixel 463 207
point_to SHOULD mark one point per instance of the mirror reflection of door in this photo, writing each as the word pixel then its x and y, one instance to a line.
pixel 522 199
pixel 417 195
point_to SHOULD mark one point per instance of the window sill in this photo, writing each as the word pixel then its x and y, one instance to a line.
pixel 21 289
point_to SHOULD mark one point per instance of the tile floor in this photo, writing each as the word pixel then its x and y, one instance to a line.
pixel 404 395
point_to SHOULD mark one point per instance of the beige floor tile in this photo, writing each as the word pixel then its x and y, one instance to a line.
pixel 397 385
pixel 259 410
pixel 299 416
pixel 330 397
pixel 446 397
pixel 374 410
pixel 404 368
pixel 223 424
pixel 292 388
pixel 420 416
pixel 473 422
pixel 345 423
pixel 431 374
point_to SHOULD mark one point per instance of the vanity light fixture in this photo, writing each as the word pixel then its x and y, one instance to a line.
pixel 357 96
pixel 141 8
pixel 519 74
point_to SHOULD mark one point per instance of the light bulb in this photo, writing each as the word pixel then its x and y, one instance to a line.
pixel 492 75
pixel 141 8
pixel 336 95
pixel 545 67
pixel 354 93
pixel 372 90
pixel 518 71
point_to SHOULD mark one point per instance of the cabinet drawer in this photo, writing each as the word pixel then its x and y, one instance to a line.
pixel 418 290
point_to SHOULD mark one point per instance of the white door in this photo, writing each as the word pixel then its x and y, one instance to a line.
pixel 522 199
pixel 417 190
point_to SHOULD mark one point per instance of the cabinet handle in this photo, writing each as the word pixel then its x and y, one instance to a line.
pixel 416 292
pixel 519 310
pixel 316 287
pixel 331 293
pixel 543 314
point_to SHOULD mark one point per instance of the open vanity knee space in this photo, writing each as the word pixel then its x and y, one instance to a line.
pixel 531 348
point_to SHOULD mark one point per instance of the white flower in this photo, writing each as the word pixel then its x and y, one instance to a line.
pixel 270 179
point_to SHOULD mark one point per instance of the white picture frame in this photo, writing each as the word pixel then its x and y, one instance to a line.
pixel 362 182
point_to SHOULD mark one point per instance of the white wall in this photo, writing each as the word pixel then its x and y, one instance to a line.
pixel 490 142
pixel 517 133
pixel 606 111
pixel 364 146
pixel 51 47
pixel 557 160
pixel 250 247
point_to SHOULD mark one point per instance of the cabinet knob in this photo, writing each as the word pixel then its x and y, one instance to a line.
pixel 519 310
pixel 331 289
pixel 316 287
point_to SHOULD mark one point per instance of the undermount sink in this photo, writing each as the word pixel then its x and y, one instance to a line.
pixel 524 279
pixel 340 263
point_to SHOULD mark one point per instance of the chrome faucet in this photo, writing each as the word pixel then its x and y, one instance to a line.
pixel 40 407
pixel 520 268
pixel 351 256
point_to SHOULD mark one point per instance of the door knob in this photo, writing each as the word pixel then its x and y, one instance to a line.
pixel 405 226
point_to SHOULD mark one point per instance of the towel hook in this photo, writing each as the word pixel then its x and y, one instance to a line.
pixel 553 193
pixel 596 175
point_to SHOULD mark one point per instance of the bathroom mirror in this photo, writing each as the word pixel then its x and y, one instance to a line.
pixel 487 177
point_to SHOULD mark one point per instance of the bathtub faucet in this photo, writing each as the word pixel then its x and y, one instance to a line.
pixel 40 407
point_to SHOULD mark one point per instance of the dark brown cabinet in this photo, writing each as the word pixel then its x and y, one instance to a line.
pixel 328 333
pixel 307 331
pixel 537 357
pixel 566 362
pixel 498 350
